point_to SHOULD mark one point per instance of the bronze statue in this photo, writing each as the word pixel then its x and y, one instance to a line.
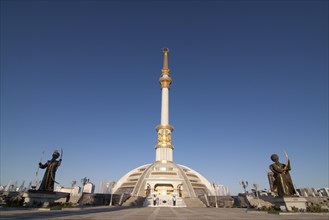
pixel 48 180
pixel 282 184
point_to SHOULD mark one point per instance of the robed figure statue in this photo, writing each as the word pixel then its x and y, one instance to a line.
pixel 48 180
pixel 282 184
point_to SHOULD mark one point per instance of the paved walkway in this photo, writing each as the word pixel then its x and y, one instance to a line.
pixel 120 213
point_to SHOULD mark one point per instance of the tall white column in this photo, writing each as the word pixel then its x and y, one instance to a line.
pixel 164 148
pixel 165 107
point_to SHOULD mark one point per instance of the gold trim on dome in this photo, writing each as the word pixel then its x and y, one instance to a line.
pixel 164 161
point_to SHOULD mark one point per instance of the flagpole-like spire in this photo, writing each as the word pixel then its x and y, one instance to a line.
pixel 165 69
pixel 164 147
pixel 165 79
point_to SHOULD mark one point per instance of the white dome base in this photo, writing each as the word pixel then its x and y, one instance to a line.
pixel 164 179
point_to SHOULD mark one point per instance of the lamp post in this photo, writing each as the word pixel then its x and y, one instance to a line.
pixel 214 185
pixel 256 190
pixel 111 184
pixel 107 187
pixel 244 184
pixel 84 182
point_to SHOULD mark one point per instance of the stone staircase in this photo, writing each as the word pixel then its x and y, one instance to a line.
pixel 134 201
pixel 193 202
pixel 180 202
pixel 159 203
pixel 74 200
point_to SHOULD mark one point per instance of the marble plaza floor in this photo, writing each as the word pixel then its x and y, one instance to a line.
pixel 120 213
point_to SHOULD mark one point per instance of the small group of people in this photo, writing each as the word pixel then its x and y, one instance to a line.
pixel 156 201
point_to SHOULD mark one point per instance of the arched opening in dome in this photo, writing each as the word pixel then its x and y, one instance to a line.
pixel 164 189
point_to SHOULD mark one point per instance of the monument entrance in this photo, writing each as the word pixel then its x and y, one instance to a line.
pixel 164 189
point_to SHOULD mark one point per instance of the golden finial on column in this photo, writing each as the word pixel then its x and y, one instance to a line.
pixel 165 79
pixel 165 69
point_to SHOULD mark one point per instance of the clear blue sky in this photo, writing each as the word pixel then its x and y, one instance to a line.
pixel 250 78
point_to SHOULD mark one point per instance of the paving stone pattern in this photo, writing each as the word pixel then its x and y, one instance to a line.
pixel 123 213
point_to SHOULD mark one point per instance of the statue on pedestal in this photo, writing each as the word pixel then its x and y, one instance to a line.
pixel 48 180
pixel 282 184
pixel 46 195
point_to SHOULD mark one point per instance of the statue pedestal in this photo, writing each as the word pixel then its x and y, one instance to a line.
pixel 290 203
pixel 33 198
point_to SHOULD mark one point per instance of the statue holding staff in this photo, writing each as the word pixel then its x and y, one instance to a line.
pixel 51 166
pixel 282 184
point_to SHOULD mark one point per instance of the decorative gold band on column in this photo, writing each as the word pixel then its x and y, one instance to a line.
pixel 165 81
pixel 164 136
pixel 169 127
pixel 164 139
pixel 165 71
pixel 164 146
